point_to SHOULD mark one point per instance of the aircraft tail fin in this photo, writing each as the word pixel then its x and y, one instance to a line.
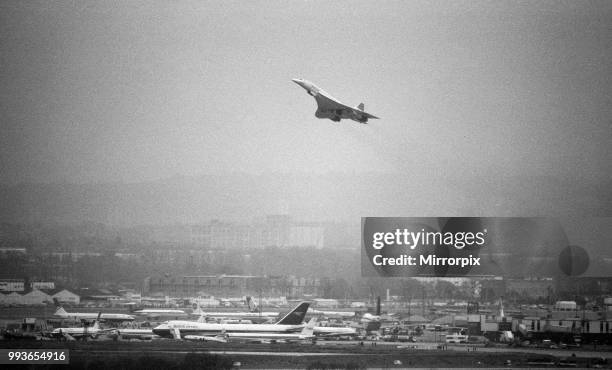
pixel 296 316
pixel 198 310
pixel 361 107
pixel 69 337
pixel 96 325
pixel 252 304
pixel 59 310
pixel 309 328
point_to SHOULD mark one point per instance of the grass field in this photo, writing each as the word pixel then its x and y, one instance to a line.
pixel 187 355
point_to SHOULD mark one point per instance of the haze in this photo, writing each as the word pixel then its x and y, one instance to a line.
pixel 98 92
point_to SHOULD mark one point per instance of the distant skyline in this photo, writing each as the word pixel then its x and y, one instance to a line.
pixel 144 90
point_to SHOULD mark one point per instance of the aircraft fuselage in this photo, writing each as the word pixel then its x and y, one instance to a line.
pixel 330 107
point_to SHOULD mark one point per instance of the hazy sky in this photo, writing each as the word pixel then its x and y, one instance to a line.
pixel 141 90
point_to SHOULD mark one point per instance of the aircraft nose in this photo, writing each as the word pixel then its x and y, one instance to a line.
pixel 298 81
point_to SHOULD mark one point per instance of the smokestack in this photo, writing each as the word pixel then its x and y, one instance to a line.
pixel 378 306
pixel 388 296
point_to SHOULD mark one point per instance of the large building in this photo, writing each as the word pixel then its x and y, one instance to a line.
pixel 232 285
pixel 187 286
pixel 274 231
pixel 12 285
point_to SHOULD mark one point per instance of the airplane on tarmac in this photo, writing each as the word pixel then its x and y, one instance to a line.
pixel 157 313
pixel 61 312
pixel 307 333
pixel 319 331
pixel 177 329
pixel 334 331
pixel 253 315
pixel 333 314
pixel 83 332
pixel 332 108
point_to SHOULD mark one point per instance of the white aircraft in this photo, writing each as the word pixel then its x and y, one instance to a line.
pixel 222 320
pixel 334 331
pixel 307 333
pixel 333 314
pixel 253 315
pixel 157 313
pixel 368 317
pixel 330 107
pixel 61 312
pixel 83 332
pixel 177 329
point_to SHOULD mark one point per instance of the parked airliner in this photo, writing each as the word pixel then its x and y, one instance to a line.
pixel 82 332
pixel 177 329
pixel 61 312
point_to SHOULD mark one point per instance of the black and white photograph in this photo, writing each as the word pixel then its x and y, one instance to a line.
pixel 305 184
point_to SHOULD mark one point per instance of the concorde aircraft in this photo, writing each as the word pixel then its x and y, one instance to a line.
pixel 330 107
